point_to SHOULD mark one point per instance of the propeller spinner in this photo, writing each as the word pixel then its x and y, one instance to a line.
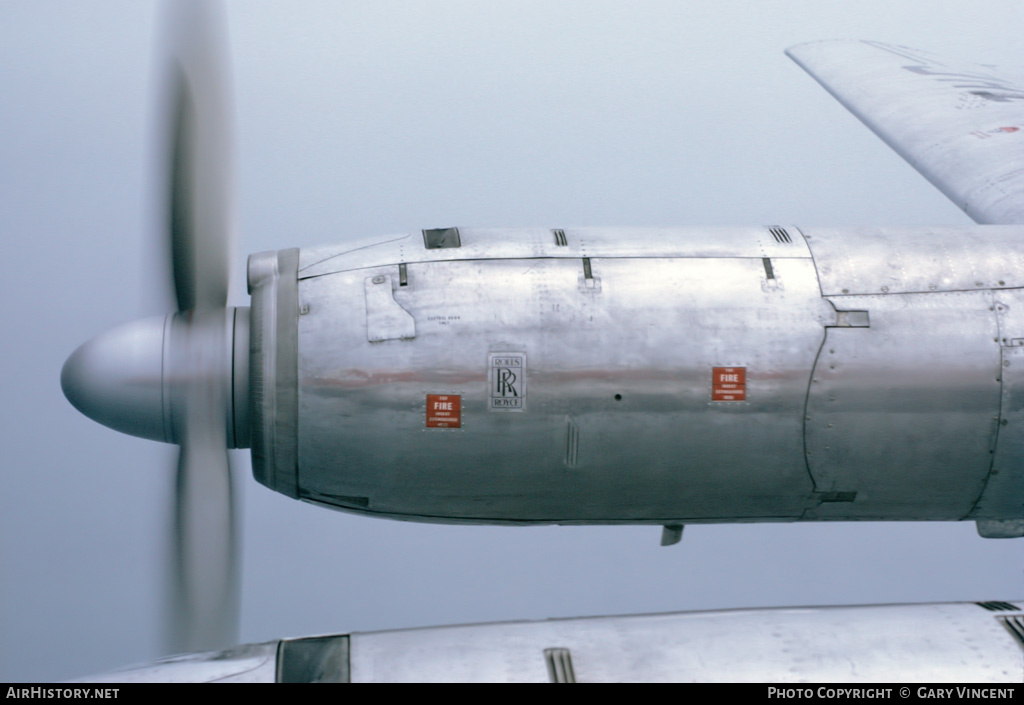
pixel 183 378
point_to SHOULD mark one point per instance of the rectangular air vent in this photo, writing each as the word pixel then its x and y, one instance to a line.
pixel 441 238
pixel 998 606
pixel 559 662
pixel 780 235
pixel 1016 626
pixel 560 238
pixel 319 659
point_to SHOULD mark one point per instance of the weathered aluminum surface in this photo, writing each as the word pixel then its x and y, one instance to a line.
pixel 273 345
pixel 247 663
pixel 945 643
pixel 615 415
pixel 904 413
pixel 959 125
pixel 385 318
pixel 618 424
pixel 1004 492
pixel 526 243
pixel 930 643
pixel 906 260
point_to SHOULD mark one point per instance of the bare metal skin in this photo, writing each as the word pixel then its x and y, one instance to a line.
pixel 877 383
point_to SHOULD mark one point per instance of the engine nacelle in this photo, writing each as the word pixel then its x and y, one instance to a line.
pixel 658 376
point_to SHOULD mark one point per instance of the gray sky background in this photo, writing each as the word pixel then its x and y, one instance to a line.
pixel 366 118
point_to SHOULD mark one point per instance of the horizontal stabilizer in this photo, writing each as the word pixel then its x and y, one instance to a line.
pixel 962 127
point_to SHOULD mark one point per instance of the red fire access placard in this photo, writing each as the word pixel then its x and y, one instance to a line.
pixel 444 411
pixel 728 384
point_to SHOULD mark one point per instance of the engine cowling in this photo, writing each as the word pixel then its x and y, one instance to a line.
pixel 659 376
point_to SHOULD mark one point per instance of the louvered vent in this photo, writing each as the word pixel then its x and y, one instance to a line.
pixel 780 235
pixel 999 606
pixel 559 662
pixel 1016 626
pixel 560 238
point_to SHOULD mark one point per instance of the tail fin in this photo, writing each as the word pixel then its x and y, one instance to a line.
pixel 961 127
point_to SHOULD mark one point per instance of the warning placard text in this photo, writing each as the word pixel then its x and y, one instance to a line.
pixel 444 411
pixel 728 384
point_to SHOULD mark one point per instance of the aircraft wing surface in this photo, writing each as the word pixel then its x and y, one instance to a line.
pixel 930 643
pixel 962 127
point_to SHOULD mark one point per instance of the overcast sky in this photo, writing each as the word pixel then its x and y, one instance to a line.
pixel 366 118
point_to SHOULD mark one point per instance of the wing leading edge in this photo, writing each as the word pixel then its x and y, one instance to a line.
pixel 961 127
